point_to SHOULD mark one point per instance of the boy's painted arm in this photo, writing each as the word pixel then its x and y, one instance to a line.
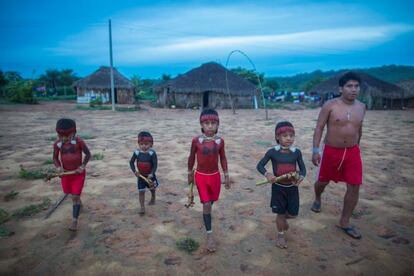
pixel 223 159
pixel 154 163
pixel 301 164
pixel 56 160
pixel 87 155
pixel 132 163
pixel 262 163
pixel 191 158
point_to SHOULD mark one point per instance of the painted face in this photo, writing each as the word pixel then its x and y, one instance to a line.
pixel 144 146
pixel 286 139
pixel 350 90
pixel 209 127
pixel 65 138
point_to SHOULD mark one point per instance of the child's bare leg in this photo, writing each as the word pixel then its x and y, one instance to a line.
pixel 75 212
pixel 141 197
pixel 282 226
pixel 210 244
pixel 152 201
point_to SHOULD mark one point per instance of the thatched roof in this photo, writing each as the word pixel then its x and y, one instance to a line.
pixel 101 79
pixel 377 87
pixel 408 86
pixel 209 77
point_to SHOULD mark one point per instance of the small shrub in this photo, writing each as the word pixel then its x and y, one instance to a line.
pixel 31 174
pixel 96 102
pixel 97 156
pixel 32 209
pixel 4 232
pixel 11 195
pixel 187 245
pixel 4 216
pixel 21 92
pixel 48 162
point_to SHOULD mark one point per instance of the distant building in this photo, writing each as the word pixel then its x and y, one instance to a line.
pixel 98 84
pixel 408 94
pixel 375 93
pixel 205 86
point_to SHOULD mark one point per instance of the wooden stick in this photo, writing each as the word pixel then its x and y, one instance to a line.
pixel 53 175
pixel 279 178
pixel 56 205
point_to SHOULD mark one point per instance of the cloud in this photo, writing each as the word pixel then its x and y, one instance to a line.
pixel 195 33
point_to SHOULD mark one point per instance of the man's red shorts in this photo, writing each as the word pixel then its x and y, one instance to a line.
pixel 341 164
pixel 208 186
pixel 73 183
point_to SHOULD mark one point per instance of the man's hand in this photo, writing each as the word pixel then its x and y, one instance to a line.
pixel 227 182
pixel 190 178
pixel 270 177
pixel 316 159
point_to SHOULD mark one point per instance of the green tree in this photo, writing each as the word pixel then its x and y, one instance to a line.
pixel 21 92
pixel 166 77
pixel 272 84
pixel 249 75
pixel 312 83
pixel 12 76
pixel 51 79
pixel 136 82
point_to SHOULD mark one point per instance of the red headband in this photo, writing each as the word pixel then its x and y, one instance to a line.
pixel 66 131
pixel 206 117
pixel 144 139
pixel 285 129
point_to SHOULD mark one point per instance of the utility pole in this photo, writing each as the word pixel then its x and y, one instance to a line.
pixel 111 67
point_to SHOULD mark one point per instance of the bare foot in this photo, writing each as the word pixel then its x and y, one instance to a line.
pixel 141 212
pixel 152 201
pixel 281 241
pixel 210 244
pixel 74 225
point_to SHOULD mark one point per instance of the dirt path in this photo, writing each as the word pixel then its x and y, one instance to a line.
pixel 113 238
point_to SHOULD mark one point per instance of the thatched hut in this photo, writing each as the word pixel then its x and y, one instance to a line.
pixel 375 93
pixel 408 96
pixel 98 84
pixel 205 86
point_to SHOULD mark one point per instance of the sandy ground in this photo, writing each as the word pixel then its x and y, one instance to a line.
pixel 114 239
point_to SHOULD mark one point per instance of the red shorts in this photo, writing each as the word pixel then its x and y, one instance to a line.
pixel 341 164
pixel 208 186
pixel 73 183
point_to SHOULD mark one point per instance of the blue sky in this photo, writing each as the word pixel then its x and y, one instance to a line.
pixel 155 37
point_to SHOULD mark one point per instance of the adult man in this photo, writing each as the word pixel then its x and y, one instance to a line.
pixel 341 158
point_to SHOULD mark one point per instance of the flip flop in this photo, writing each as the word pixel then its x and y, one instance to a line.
pixel 350 231
pixel 316 207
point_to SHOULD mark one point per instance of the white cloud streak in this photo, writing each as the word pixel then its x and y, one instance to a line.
pixel 174 34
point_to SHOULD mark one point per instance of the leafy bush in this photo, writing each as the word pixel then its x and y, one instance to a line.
pixel 187 245
pixel 97 156
pixel 96 102
pixel 21 92
pixel 31 174
pixel 4 216
pixel 32 209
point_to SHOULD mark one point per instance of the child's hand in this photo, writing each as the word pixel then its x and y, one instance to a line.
pixel 270 177
pixel 59 170
pixel 227 182
pixel 299 180
pixel 137 174
pixel 80 169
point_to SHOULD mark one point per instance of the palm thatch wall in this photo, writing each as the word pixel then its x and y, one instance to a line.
pixel 205 86
pixel 98 84
pixel 375 93
pixel 408 87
